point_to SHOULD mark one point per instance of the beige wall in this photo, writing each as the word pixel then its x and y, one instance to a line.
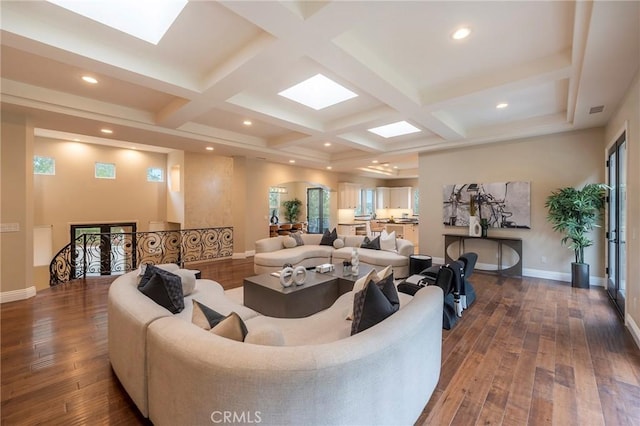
pixel 74 196
pixel 208 183
pixel 628 115
pixel 175 186
pixel 548 162
pixel 16 189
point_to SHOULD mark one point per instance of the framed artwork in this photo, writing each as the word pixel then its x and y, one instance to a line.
pixel 502 204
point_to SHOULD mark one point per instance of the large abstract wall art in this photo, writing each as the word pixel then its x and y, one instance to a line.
pixel 502 204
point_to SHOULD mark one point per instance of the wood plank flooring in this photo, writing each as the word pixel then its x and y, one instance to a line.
pixel 529 351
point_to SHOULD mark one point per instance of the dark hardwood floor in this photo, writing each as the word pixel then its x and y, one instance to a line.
pixel 529 351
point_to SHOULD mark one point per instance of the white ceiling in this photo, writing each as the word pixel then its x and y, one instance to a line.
pixel 221 63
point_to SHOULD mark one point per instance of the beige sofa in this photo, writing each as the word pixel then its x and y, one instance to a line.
pixel 271 254
pixel 178 373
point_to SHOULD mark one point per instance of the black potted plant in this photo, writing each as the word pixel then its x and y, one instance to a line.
pixel 575 212
pixel 292 210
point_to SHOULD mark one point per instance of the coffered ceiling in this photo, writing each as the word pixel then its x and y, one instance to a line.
pixel 222 63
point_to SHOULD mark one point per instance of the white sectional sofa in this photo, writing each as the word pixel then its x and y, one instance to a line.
pixel 271 254
pixel 178 373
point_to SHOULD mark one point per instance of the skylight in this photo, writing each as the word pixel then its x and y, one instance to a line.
pixel 318 92
pixel 395 129
pixel 148 20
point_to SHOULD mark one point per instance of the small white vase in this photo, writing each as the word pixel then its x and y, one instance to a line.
pixel 475 230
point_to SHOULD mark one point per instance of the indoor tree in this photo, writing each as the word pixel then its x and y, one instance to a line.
pixel 292 209
pixel 575 212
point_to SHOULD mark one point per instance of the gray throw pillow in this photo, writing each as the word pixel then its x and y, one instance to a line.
pixel 329 237
pixel 371 244
pixel 164 288
pixel 205 317
pixel 373 304
pixel 298 237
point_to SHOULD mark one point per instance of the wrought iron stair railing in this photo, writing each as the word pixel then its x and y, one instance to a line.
pixel 116 253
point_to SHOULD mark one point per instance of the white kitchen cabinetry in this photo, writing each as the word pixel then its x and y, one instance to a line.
pixel 348 195
pixel 383 198
pixel 400 198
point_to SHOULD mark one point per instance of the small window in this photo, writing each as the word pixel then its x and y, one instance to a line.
pixel 155 174
pixel 44 165
pixel 105 171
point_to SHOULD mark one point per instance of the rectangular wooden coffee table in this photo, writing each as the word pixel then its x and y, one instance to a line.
pixel 265 294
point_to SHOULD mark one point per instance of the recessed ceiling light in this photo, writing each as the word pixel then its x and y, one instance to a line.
pixel 106 131
pixel 327 144
pixel 247 122
pixel 292 161
pixel 147 20
pixel 89 79
pixel 375 161
pixel 329 167
pixel 395 167
pixel 209 148
pixel 318 92
pixel 76 140
pixel 461 33
pixel 502 105
pixel 395 129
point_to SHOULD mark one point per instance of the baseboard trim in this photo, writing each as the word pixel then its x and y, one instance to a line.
pixel 244 255
pixel 536 273
pixel 633 329
pixel 14 295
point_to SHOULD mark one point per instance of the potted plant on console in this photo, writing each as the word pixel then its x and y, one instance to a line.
pixel 575 212
pixel 292 210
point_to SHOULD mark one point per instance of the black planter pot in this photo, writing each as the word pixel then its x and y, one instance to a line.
pixel 580 275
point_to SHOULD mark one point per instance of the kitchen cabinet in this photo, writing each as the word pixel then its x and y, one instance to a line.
pixel 393 198
pixel 348 195
pixel 400 198
pixel 349 228
pixel 406 231
pixel 383 198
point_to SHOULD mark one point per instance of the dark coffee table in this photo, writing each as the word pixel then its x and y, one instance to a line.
pixel 265 294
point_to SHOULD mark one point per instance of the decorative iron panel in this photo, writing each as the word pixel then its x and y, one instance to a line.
pixel 116 253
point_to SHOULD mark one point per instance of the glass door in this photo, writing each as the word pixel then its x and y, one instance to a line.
pixel 616 222
pixel 105 249
pixel 317 210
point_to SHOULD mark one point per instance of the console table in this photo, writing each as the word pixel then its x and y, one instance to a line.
pixel 514 243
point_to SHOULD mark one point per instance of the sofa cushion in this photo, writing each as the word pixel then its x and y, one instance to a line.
pixel 205 317
pixel 188 279
pixel 338 243
pixel 371 257
pixel 289 242
pixel 293 255
pixel 371 244
pixel 266 335
pixel 373 304
pixel 298 237
pixel 164 288
pixel 388 241
pixel 329 237
pixel 363 281
pixel 231 327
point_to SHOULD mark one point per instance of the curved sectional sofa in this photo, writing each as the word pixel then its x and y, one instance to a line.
pixel 271 254
pixel 178 373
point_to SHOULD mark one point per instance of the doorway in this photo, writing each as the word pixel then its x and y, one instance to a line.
pixel 317 210
pixel 107 248
pixel 616 222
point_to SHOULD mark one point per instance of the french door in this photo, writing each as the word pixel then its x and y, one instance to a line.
pixel 616 222
pixel 107 248
pixel 317 210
